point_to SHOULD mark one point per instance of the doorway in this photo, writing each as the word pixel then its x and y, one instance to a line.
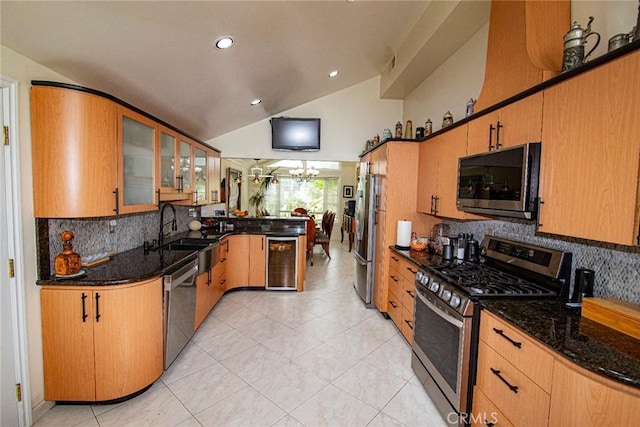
pixel 15 408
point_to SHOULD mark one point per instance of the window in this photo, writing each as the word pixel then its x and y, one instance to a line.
pixel 316 196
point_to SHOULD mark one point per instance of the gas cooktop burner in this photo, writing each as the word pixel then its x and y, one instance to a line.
pixel 483 280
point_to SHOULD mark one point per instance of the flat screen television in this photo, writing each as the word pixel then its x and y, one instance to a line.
pixel 295 134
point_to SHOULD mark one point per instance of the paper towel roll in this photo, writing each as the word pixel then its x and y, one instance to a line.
pixel 404 234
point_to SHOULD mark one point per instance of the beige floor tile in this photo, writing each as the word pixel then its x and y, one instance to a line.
pixel 384 420
pixel 326 362
pixel 369 384
pixel 227 344
pixel 332 407
pixel 255 362
pixel 66 415
pixel 393 360
pixel 263 329
pixel 292 345
pixel 246 407
pixel 412 406
pixel 190 360
pixel 355 343
pixel 321 329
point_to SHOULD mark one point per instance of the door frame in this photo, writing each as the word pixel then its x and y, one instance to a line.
pixel 13 211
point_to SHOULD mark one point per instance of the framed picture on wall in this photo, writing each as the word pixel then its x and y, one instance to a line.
pixel 347 191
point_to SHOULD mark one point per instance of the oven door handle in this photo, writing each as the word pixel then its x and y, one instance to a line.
pixel 445 316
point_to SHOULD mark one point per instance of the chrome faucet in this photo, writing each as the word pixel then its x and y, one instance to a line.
pixel 173 222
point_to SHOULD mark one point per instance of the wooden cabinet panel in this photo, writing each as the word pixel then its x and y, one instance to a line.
pixel 512 125
pixel 590 151
pixel 485 414
pixel 582 399
pixel 112 351
pixel 204 297
pixel 137 157
pixel 257 260
pixel 74 152
pixel 407 324
pixel 401 294
pixel 237 261
pixel 518 397
pixel 520 350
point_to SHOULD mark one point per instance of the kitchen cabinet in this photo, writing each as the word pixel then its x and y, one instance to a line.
pixel 485 414
pixel 101 343
pixel 136 162
pixel 246 261
pixel 257 260
pixel 512 125
pixel 589 173
pixel 185 159
pixel 210 286
pixel 168 170
pixel 514 373
pixel 438 173
pixel 397 165
pixel 582 398
pixel 402 291
pixel 214 170
pixel 75 164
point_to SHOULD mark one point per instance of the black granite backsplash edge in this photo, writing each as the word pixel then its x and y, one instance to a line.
pixel 588 344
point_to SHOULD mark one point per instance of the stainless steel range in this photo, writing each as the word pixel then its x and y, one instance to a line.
pixel 447 313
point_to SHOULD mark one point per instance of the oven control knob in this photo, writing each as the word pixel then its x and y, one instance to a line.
pixel 419 276
pixel 446 294
pixel 455 301
pixel 425 280
pixel 434 287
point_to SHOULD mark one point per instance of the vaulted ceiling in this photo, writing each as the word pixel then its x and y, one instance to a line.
pixel 160 56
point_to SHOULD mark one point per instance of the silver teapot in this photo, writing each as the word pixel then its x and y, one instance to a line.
pixel 574 42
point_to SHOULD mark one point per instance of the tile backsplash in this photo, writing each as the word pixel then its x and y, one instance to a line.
pixel 93 235
pixel 617 271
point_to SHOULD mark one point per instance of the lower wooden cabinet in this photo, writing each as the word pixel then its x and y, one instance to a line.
pixel 246 261
pixel 101 343
pixel 402 291
pixel 519 382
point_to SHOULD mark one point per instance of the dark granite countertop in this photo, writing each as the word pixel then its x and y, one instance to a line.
pixel 586 343
pixel 135 265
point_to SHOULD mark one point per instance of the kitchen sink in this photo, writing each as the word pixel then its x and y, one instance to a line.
pixel 206 254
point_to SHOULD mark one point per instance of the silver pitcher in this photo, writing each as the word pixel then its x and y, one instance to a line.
pixel 574 42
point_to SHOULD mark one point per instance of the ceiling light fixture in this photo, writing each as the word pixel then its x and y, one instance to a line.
pixel 334 73
pixel 257 176
pixel 256 102
pixel 224 42
pixel 304 174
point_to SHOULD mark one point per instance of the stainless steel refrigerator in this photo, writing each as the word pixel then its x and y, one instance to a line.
pixel 365 238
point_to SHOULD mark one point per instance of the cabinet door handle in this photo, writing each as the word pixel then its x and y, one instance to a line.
pixel 84 310
pixel 394 258
pixel 222 282
pixel 410 293
pixel 488 423
pixel 395 279
pixel 97 307
pixel 496 372
pixel 393 304
pixel 502 334
pixel 498 143
pixel 116 192
pixel 409 324
pixel 491 129
pixel 412 270
pixel 208 277
pixel 262 243
pixel 435 204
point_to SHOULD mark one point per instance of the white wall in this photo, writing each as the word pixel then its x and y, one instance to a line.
pixel 24 70
pixel 348 119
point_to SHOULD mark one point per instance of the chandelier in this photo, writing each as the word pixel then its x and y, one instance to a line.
pixel 302 174
pixel 257 176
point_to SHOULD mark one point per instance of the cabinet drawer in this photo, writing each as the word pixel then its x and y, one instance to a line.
pixel 519 398
pixel 407 325
pixel 518 349
pixel 407 270
pixel 408 295
pixel 396 284
pixel 485 413
pixel 394 310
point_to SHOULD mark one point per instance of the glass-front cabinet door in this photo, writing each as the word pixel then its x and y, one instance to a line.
pixel 137 153
pixel 186 170
pixel 200 172
pixel 168 144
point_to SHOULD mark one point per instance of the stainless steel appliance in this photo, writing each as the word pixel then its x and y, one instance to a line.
pixel 282 263
pixel 502 182
pixel 365 238
pixel 447 313
pixel 179 309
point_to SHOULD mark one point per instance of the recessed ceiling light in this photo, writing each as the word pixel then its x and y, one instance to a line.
pixel 334 73
pixel 256 101
pixel 224 42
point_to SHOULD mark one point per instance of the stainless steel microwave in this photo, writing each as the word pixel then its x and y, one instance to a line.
pixel 501 183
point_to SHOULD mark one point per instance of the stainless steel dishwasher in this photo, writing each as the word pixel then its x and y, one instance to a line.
pixel 179 309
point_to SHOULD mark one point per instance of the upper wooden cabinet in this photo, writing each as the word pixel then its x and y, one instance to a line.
pixel 514 124
pixel 94 157
pixel 136 162
pixel 74 151
pixel 590 150
pixel 438 173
